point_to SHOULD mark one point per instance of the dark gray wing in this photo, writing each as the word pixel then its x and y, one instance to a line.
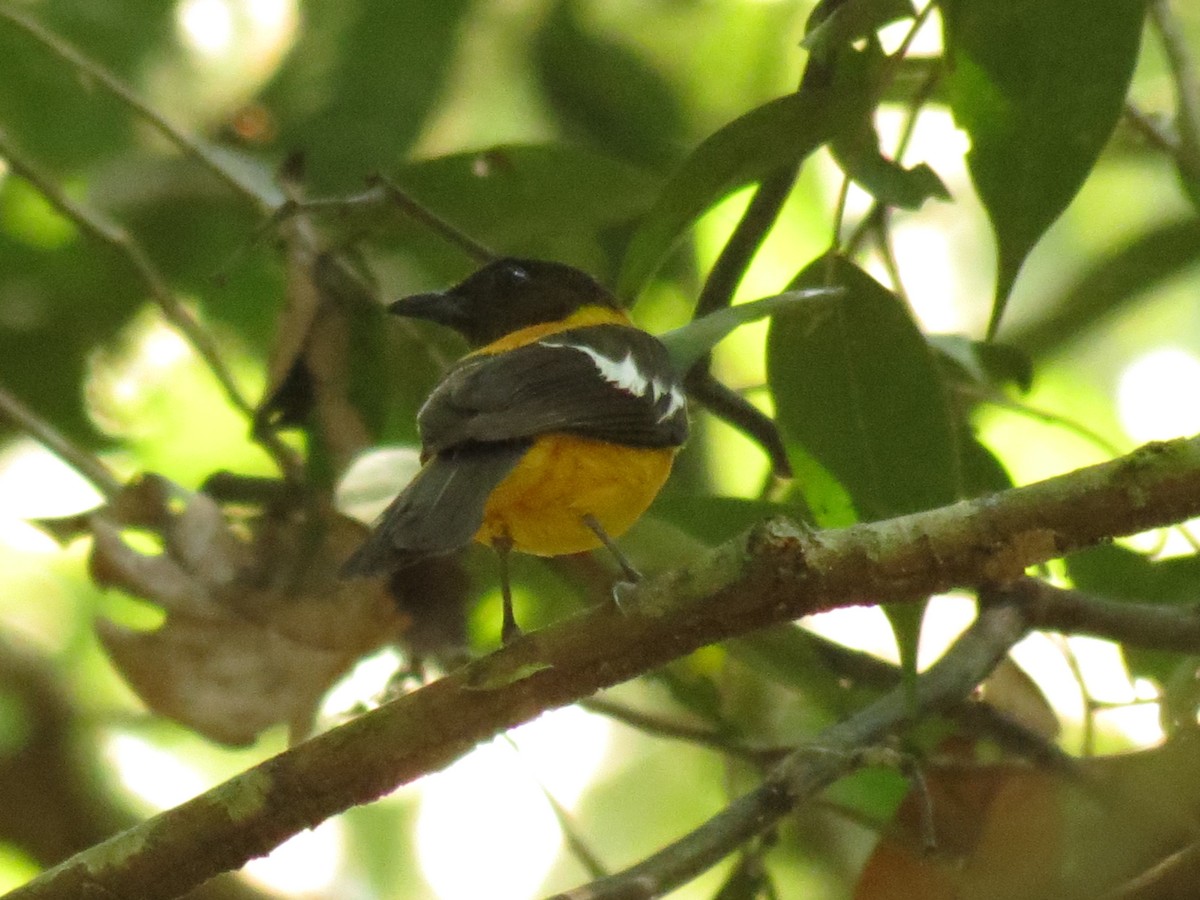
pixel 439 511
pixel 609 382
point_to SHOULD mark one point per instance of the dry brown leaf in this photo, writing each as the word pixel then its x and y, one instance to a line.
pixel 256 629
pixel 1010 832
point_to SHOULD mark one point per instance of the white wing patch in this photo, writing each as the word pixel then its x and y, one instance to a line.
pixel 625 375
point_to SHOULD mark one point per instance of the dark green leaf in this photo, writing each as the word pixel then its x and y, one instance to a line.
pixel 796 659
pixel 51 112
pixel 982 472
pixel 1038 87
pixel 780 133
pixel 857 386
pixel 716 519
pixel 887 181
pixel 551 201
pixel 829 30
pixel 605 94
pixel 356 90
pixel 985 363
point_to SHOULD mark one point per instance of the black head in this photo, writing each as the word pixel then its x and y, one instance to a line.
pixel 507 295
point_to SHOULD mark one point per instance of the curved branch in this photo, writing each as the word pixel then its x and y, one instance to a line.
pixel 773 573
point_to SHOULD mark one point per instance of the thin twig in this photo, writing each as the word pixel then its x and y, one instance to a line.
pixel 83 462
pixel 811 769
pixel 575 841
pixel 676 731
pixel 435 223
pixel 100 229
pixel 96 73
pixel 1152 129
pixel 1178 50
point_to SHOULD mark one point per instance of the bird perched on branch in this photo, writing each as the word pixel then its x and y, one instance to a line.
pixel 552 436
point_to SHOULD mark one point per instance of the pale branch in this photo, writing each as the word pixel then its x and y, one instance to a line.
pixel 97 227
pixel 774 573
pixel 86 464
pixel 810 769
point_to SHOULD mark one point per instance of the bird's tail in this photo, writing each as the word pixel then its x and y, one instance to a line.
pixel 439 511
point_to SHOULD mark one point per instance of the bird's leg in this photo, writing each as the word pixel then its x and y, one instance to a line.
pixel 509 629
pixel 631 574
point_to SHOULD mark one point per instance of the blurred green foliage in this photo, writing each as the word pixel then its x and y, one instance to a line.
pixel 614 135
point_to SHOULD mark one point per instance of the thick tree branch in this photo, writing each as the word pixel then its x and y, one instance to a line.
pixel 774 573
pixel 812 768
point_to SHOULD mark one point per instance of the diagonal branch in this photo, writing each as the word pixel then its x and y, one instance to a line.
pixel 774 573
pixel 812 768
pixel 93 72
pixel 92 223
pixel 86 464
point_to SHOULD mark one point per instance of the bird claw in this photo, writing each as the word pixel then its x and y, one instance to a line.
pixel 623 594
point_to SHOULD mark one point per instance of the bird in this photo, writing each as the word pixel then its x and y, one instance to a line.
pixel 551 436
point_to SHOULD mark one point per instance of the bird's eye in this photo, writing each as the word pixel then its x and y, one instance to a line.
pixel 515 274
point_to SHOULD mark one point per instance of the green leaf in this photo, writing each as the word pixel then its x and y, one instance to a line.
pixel 779 133
pixel 355 92
pixel 859 388
pixel 715 519
pixel 51 111
pixel 1038 86
pixel 794 658
pixel 832 26
pixel 984 363
pixel 606 96
pixel 687 344
pixel 858 154
pixel 856 384
pixel 982 472
pixel 546 200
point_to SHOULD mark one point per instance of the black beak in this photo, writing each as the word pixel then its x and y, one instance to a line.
pixel 443 307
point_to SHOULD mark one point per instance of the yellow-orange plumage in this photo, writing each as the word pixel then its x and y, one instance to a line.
pixel 541 504
pixel 533 441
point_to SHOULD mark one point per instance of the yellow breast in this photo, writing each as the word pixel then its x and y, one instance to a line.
pixel 540 505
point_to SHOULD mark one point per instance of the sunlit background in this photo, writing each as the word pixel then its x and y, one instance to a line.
pixel 1131 382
